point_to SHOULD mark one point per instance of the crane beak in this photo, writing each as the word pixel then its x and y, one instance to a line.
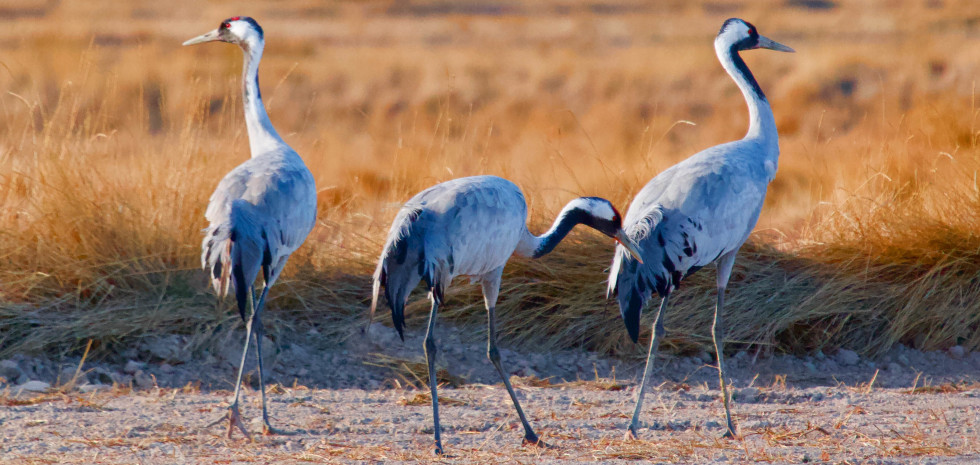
pixel 629 245
pixel 206 37
pixel 765 42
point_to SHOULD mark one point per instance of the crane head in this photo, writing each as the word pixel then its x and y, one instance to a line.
pixel 240 30
pixel 601 215
pixel 740 35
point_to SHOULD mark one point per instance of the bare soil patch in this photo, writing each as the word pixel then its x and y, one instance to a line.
pixel 361 402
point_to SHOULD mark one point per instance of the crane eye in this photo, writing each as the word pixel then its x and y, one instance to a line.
pixel 225 25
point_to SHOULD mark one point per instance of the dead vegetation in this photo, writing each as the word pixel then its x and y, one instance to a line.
pixel 112 137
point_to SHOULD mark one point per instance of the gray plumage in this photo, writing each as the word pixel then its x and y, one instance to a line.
pixel 261 212
pixel 699 211
pixel 268 204
pixel 471 227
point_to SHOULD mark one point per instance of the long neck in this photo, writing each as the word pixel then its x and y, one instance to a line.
pixel 262 137
pixel 538 246
pixel 762 126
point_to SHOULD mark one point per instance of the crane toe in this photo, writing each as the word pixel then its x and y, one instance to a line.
pixel 535 442
pixel 234 419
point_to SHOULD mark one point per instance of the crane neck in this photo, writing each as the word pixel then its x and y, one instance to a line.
pixel 762 125
pixel 573 214
pixel 262 136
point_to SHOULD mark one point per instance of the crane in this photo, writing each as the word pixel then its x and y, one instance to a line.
pixel 261 211
pixel 699 211
pixel 470 227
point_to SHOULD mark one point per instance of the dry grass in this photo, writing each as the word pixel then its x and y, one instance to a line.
pixel 112 137
pixel 414 373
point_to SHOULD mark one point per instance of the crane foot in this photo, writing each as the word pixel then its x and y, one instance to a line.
pixel 630 434
pixel 535 442
pixel 234 419
pixel 269 430
pixel 729 435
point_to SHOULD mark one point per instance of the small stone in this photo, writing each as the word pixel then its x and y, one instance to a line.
pixel 848 357
pixel 957 352
pixel 101 376
pixel 894 368
pixel 35 386
pixel 143 380
pixel 810 367
pixel 166 368
pixel 132 366
pixel 706 357
pixel 68 374
pixel 298 352
pixel 747 395
pixel 9 370
pixel 819 355
pixel 168 348
pixel 85 388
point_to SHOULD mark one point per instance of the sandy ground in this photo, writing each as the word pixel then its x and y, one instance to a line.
pixel 343 404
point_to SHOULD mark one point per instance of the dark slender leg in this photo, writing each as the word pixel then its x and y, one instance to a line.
pixel 494 355
pixel 725 265
pixel 233 416
pixel 658 334
pixel 259 334
pixel 430 358
pixel 718 337
pixel 491 289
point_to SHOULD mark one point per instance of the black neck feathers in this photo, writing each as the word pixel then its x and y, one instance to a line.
pixel 742 68
pixel 568 221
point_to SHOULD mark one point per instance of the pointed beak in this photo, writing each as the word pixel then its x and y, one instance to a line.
pixel 206 37
pixel 629 245
pixel 765 42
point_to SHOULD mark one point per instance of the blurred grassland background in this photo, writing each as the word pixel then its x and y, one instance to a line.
pixel 113 136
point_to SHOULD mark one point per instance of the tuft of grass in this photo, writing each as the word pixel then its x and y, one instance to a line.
pixel 414 373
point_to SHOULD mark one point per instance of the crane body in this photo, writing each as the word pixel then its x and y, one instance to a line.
pixel 260 213
pixel 699 211
pixel 471 227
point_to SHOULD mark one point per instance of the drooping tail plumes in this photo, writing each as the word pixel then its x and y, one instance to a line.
pixel 632 282
pixel 401 266
pixel 234 250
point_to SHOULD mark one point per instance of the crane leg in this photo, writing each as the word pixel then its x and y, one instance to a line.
pixel 491 288
pixel 718 338
pixel 658 334
pixel 233 416
pixel 430 358
pixel 259 330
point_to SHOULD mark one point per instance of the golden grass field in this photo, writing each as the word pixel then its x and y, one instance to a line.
pixel 113 136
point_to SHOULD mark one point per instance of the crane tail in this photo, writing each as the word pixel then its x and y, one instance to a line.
pixel 632 282
pixel 632 290
pixel 375 291
pixel 234 250
pixel 401 266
